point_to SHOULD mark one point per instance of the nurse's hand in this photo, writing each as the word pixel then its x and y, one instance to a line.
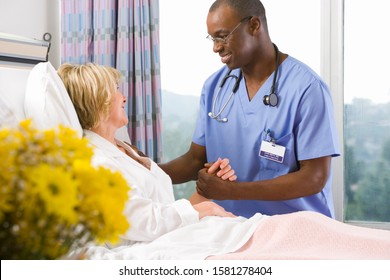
pixel 212 187
pixel 222 169
pixel 209 208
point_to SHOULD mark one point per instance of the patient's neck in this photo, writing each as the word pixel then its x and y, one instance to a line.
pixel 106 131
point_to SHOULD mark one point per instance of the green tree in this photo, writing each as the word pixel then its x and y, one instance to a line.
pixel 373 191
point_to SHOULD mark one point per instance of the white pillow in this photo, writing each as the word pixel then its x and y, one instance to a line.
pixel 47 101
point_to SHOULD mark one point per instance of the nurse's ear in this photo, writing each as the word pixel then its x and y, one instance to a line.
pixel 255 25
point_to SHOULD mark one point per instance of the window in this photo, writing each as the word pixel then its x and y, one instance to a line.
pixel 366 111
pixel 187 60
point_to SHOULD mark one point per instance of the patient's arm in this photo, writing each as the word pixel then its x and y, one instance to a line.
pixel 196 198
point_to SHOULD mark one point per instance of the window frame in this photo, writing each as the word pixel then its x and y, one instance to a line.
pixel 332 71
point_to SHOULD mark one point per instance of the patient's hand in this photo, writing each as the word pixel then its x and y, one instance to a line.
pixel 209 208
pixel 222 169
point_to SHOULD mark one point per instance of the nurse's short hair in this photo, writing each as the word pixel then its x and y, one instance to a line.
pixel 243 8
pixel 91 88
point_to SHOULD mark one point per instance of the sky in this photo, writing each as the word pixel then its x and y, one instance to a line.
pixel 367 43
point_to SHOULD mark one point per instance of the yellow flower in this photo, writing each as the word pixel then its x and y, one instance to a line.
pixel 57 189
pixel 52 199
pixel 5 201
pixel 107 196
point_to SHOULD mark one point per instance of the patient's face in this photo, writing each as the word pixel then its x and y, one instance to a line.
pixel 118 116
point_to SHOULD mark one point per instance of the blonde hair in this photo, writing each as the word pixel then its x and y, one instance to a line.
pixel 91 88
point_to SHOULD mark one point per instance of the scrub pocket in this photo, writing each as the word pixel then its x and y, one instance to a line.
pixel 270 169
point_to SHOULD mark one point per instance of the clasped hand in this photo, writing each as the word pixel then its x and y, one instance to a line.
pixel 215 180
pixel 221 171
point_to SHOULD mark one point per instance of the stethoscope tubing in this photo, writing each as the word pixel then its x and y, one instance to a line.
pixel 269 100
pixel 235 88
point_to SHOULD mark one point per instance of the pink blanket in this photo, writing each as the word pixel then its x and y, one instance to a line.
pixel 309 235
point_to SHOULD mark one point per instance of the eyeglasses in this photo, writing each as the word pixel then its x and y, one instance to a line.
pixel 223 39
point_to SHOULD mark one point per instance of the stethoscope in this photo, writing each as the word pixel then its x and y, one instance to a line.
pixel 271 99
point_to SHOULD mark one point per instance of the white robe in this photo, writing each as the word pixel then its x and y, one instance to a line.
pixel 160 227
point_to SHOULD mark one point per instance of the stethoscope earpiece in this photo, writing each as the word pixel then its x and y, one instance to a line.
pixel 217 116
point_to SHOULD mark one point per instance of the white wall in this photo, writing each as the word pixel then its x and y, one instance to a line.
pixel 33 18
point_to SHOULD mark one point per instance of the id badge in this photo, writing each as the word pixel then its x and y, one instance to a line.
pixel 272 151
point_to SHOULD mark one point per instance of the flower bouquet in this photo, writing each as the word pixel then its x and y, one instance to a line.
pixel 52 200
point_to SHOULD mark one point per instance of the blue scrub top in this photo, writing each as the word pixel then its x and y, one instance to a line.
pixel 302 122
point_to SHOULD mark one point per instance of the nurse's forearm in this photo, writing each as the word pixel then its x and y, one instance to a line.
pixel 286 187
pixel 180 170
pixel 185 168
pixel 309 180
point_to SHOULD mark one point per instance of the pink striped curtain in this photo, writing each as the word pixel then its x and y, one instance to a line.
pixel 122 34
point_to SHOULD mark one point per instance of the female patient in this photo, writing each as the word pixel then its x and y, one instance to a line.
pixel 162 228
pixel 152 212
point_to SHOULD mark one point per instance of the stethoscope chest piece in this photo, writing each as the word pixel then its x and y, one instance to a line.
pixel 271 99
